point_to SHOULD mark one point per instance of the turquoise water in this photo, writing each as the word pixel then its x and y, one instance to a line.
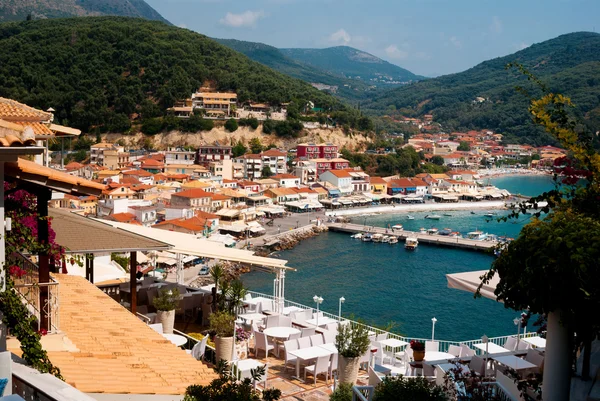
pixel 525 185
pixel 383 283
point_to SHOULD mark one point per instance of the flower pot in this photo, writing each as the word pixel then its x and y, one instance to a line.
pixel 418 355
pixel 348 369
pixel 223 348
pixel 167 318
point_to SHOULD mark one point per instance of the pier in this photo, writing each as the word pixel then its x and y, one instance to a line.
pixel 431 239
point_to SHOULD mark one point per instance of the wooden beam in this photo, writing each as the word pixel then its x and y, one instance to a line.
pixel 43 197
pixel 133 280
pixel 89 267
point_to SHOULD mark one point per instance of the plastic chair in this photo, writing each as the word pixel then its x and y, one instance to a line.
pixel 307 332
pixel 298 316
pixel 510 343
pixel 272 321
pixel 477 365
pixel 320 367
pixel 332 327
pixel 262 342
pixel 466 351
pixel 333 364
pixel 289 345
pixel 317 339
pixel 285 321
pixel 380 355
pixel 433 346
pixel 329 336
pixel 522 345
pixel 304 342
pixel 295 336
pixel 381 337
pixel 454 350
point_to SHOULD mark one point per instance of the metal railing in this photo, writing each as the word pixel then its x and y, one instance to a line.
pixel 362 393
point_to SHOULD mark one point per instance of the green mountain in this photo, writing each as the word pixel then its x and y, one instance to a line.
pixel 18 10
pixel 485 96
pixel 98 72
pixel 353 63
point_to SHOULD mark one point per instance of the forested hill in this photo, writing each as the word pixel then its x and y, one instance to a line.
pixel 353 63
pixel 569 64
pixel 19 10
pixel 100 71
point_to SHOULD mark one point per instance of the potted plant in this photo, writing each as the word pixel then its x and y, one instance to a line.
pixel 418 348
pixel 351 342
pixel 166 302
pixel 222 324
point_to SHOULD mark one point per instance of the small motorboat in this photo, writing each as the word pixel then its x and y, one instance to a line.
pixel 385 239
pixel 411 243
pixel 367 237
pixel 409 217
pixel 433 216
pixel 445 231
pixel 397 227
pixel 393 240
pixel 472 212
pixel 422 231
pixel 377 237
pixel 432 231
pixel 489 214
pixel 447 214
pixel 477 235
pixel 454 234
pixel 357 236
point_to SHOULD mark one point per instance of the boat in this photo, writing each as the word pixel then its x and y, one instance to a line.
pixel 477 235
pixel 367 237
pixel 409 217
pixel 445 231
pixel 422 231
pixel 393 240
pixel 454 234
pixel 432 231
pixel 356 236
pixel 472 212
pixel 385 239
pixel 433 216
pixel 411 243
pixel 489 214
pixel 377 237
pixel 447 214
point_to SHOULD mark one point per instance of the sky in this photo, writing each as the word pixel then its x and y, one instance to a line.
pixel 427 37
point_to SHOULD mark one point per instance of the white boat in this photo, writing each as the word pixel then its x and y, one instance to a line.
pixel 409 217
pixel 489 214
pixel 377 237
pixel 432 231
pixel 367 237
pixel 433 216
pixel 411 243
pixel 393 240
pixel 477 235
pixel 397 227
pixel 385 239
pixel 357 236
pixel 422 231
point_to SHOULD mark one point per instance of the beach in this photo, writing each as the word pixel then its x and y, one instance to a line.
pixel 422 207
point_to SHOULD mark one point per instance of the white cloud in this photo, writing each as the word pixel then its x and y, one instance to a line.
pixel 340 37
pixel 245 19
pixel 394 52
pixel 496 25
pixel 455 42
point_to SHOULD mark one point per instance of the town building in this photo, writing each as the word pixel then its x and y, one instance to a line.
pixel 252 165
pixel 196 199
pixel 115 158
pixel 287 180
pixel 378 185
pixel 275 159
pixel 306 151
pixel 306 171
pixel 323 164
pixel 215 104
pixel 341 179
pixel 180 157
pixel 210 153
pixel 97 155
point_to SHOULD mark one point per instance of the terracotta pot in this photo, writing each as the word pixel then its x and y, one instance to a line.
pixel 418 355
pixel 167 318
pixel 223 348
pixel 348 369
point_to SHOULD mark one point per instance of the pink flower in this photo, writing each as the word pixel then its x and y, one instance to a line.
pixel 16 271
pixel 42 332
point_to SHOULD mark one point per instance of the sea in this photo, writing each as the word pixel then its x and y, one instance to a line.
pixel 386 285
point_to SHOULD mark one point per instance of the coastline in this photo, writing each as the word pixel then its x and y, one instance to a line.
pixel 423 207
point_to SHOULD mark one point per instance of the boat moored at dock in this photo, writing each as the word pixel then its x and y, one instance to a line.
pixel 377 237
pixel 393 240
pixel 411 243
pixel 397 227
pixel 477 235
pixel 432 231
pixel 433 216
pixel 367 237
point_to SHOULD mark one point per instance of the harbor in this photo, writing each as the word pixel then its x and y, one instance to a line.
pixel 431 239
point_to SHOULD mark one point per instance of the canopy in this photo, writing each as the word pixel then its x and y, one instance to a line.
pixel 469 281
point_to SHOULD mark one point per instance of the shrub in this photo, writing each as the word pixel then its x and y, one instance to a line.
pixel 414 389
pixel 152 126
pixel 221 323
pixel 166 300
pixel 352 342
pixel 231 125
pixel 343 392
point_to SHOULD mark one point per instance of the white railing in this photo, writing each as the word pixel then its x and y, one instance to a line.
pixel 30 293
pixel 362 393
pixel 444 344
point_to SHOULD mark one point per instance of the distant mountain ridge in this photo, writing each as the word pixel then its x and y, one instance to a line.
pixel 485 96
pixel 353 63
pixel 18 10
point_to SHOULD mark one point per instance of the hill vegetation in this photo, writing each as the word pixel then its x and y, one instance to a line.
pixel 19 10
pixel 99 73
pixel 568 64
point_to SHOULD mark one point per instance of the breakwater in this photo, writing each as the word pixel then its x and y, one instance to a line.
pixel 287 240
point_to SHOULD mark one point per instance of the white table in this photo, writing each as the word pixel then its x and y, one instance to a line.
pixel 492 348
pixel 323 321
pixel 329 347
pixel 281 332
pixel 393 343
pixel 514 362
pixel 245 366
pixel 176 339
pixel 537 342
pixel 437 356
pixel 306 354
pixel 289 309
pixel 252 317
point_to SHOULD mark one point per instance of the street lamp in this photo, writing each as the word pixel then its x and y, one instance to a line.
pixel 342 299
pixel 318 300
pixel 278 228
pixel 433 328
pixel 485 340
pixel 517 322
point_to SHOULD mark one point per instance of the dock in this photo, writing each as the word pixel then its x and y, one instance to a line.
pixel 441 240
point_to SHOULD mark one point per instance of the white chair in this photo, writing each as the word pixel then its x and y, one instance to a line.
pixel 454 350
pixel 285 321
pixel 381 337
pixel 536 358
pixel 365 358
pixel 510 343
pixel 156 327
pixel 262 342
pixel 477 365
pixel 332 327
pixel 320 367
pixel 295 336
pixel 319 315
pixel 329 336
pixel 298 316
pixel 523 345
pixel 198 349
pixel 308 331
pixel 289 345
pixel 380 356
pixel 308 314
pixel 317 339
pixel 244 367
pixel 303 342
pixel 433 346
pixel 272 321
pixel 333 364
pixel 466 351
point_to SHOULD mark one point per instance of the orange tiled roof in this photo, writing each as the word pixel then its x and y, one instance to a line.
pixel 284 177
pixel 11 110
pixel 38 128
pixel 122 217
pixel 118 353
pixel 193 193
pixel 378 180
pixel 340 173
pixel 193 224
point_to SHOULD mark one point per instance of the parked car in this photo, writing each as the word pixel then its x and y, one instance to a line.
pixel 204 270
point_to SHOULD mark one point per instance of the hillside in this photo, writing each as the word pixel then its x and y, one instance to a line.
pixel 353 63
pixel 569 64
pixel 18 10
pixel 99 72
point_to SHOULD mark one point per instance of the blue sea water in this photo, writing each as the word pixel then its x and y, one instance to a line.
pixel 384 283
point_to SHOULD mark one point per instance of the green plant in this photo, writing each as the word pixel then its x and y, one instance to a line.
pixel 167 300
pixel 352 341
pixel 413 389
pixel 221 323
pixel 231 125
pixel 121 260
pixel 343 392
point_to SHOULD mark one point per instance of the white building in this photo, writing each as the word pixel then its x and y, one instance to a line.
pixel 276 160
pixel 180 156
pixel 287 180
pixel 340 179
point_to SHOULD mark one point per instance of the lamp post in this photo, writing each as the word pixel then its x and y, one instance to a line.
pixel 342 299
pixel 433 328
pixel 318 300
pixel 517 322
pixel 485 340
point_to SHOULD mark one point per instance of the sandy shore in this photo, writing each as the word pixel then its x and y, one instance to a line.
pixel 422 207
pixel 508 172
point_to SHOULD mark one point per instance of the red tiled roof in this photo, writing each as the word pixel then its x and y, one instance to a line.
pixel 340 173
pixel 137 173
pixel 283 176
pixel 273 152
pixel 123 217
pixel 193 194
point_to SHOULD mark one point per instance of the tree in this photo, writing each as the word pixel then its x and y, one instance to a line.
pixel 231 125
pixel 437 160
pixel 152 126
pixel 255 146
pixel 266 172
pixel 239 149
pixel 464 146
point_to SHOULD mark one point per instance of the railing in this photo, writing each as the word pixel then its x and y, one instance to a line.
pixel 112 290
pixel 362 393
pixel 443 344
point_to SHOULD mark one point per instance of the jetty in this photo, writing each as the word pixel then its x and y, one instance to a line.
pixel 464 243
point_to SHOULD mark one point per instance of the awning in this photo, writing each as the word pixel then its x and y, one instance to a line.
pixel 496 196
pixel 228 213
pixel 344 201
pixel 334 192
pixel 469 281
